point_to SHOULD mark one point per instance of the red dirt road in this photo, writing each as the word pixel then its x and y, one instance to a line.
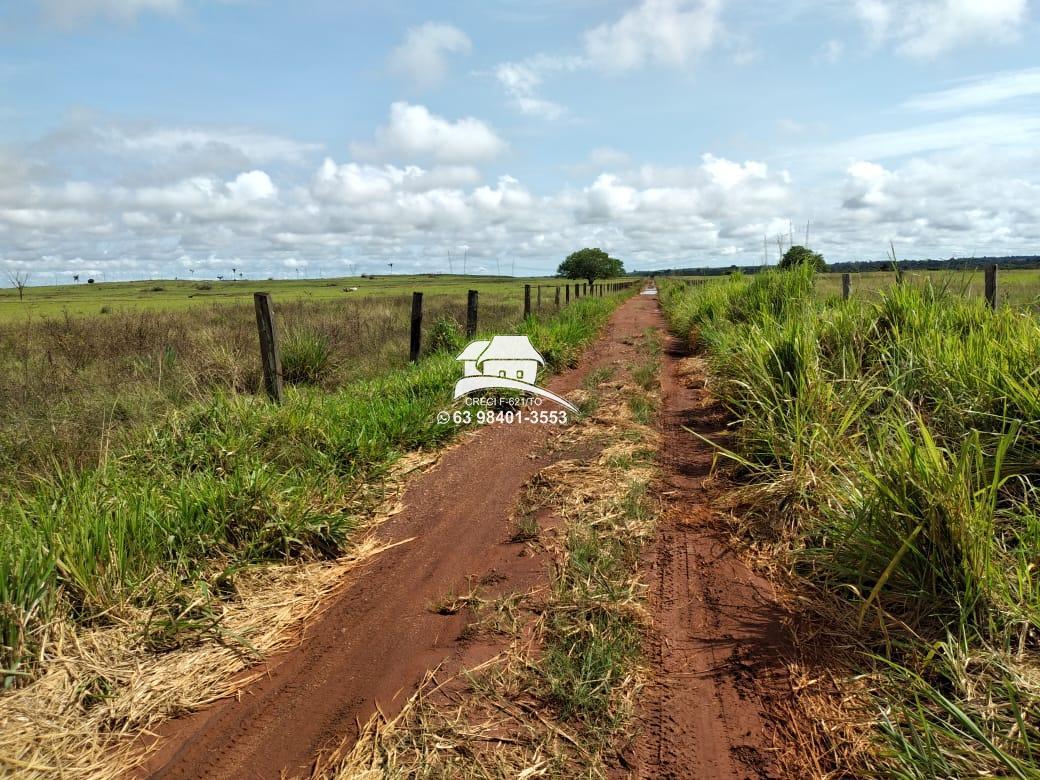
pixel 714 650
pixel 718 642
pixel 379 636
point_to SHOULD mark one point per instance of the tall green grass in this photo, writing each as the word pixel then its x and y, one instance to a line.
pixel 220 484
pixel 897 444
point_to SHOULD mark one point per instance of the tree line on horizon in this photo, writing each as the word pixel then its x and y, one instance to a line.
pixel 1012 262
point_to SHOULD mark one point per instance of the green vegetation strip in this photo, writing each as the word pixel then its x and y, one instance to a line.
pixel 224 483
pixel 894 447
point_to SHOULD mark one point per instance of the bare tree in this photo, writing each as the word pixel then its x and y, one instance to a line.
pixel 19 279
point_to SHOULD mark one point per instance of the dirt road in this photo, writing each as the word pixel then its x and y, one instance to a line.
pixel 379 635
pixel 718 646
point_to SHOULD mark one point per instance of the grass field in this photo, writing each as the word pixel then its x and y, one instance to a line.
pixel 72 386
pixel 890 447
pixel 1017 288
pixel 169 295
pixel 142 471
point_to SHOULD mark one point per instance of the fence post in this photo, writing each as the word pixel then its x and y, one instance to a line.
pixel 846 286
pixel 577 291
pixel 567 289
pixel 527 300
pixel 991 285
pixel 416 343
pixel 539 297
pixel 557 301
pixel 269 352
pixel 471 314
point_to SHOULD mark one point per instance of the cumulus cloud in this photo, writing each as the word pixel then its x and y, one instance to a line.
pixel 924 29
pixel 670 33
pixel 662 32
pixel 423 56
pixel 939 200
pixel 414 133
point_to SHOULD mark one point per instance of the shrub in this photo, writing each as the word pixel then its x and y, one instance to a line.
pixel 445 336
pixel 306 357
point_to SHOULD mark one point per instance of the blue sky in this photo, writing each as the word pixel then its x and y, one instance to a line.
pixel 147 138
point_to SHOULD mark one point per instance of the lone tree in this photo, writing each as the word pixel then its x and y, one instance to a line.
pixel 590 264
pixel 19 279
pixel 799 255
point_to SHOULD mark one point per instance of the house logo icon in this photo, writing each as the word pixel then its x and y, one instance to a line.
pixel 507 363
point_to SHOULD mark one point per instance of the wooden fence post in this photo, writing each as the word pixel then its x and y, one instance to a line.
pixel 577 291
pixel 557 301
pixel 416 343
pixel 991 285
pixel 471 314
pixel 846 286
pixel 269 352
pixel 527 300
pixel 567 289
pixel 539 297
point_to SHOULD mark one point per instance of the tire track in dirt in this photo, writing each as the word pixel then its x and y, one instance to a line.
pixel 718 639
pixel 378 637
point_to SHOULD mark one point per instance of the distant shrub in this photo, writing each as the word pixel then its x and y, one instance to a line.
pixel 105 310
pixel 203 286
pixel 306 357
pixel 445 336
pixel 157 288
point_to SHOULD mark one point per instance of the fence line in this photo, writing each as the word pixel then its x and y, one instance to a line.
pixel 270 350
pixel 991 272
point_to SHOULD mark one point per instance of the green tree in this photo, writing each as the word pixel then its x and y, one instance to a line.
pixel 797 255
pixel 590 264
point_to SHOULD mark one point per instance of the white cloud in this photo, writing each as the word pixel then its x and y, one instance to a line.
pixel 150 140
pixel 354 183
pixel 989 130
pixel 924 29
pixel 980 91
pixel 672 33
pixel 520 82
pixel 68 12
pixel 414 133
pixel 254 185
pixel 423 56
pixel 947 197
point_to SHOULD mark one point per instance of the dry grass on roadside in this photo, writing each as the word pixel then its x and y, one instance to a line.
pixel 84 718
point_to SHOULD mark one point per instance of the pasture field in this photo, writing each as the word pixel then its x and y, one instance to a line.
pixel 889 448
pixel 1016 288
pixel 141 466
pixel 181 294
pixel 72 386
